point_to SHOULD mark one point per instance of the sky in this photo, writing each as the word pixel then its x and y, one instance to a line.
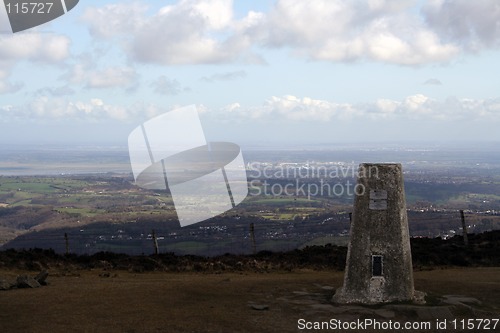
pixel 261 72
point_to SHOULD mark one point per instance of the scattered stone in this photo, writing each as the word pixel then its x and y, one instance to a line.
pixel 41 277
pixel 327 288
pixel 384 313
pixel 419 297
pixel 308 294
pixel 5 285
pixel 25 281
pixel 322 307
pixel 259 307
pixel 339 310
pixel 104 264
pixel 460 300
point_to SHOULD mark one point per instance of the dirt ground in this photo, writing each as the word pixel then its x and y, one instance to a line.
pixel 84 301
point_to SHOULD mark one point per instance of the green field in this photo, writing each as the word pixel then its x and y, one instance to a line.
pixel 88 212
pixel 271 201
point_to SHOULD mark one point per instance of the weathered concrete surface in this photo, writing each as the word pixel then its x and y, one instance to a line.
pixel 316 305
pixel 379 227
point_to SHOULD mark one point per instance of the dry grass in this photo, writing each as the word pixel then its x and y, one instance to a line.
pixel 482 283
pixel 185 302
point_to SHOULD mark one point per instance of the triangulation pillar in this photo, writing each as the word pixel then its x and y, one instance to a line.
pixel 379 267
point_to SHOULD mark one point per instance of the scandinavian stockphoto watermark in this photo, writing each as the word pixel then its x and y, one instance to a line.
pixel 170 152
pixel 24 14
pixel 308 179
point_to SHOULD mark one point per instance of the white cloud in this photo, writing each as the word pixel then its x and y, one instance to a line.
pixel 165 86
pixel 85 73
pixel 4 21
pixel 217 13
pixel 112 77
pixel 233 107
pixel 47 108
pixel 433 82
pixel 416 104
pixel 183 33
pixel 386 106
pixel 414 107
pixel 56 108
pixel 414 113
pixel 307 109
pixel 56 91
pixel 48 48
pixel 35 47
pixel 115 19
pixel 207 32
pixel 335 30
pixel 5 85
pixel 228 76
pixel 473 25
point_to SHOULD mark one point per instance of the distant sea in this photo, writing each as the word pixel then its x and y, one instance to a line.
pixel 53 160
pixel 75 160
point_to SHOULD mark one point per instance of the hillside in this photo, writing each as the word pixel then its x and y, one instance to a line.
pixel 483 251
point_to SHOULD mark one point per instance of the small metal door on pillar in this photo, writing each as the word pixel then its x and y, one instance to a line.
pixel 379 267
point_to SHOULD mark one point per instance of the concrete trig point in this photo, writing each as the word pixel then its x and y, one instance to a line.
pixel 379 267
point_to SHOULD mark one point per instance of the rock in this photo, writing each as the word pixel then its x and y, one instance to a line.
pixel 105 274
pixel 259 307
pixel 25 281
pixel 41 277
pixel 419 297
pixel 384 313
pixel 327 288
pixel 460 300
pixel 104 264
pixel 5 285
pixel 33 266
pixel 322 307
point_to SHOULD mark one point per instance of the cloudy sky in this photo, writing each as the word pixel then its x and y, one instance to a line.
pixel 287 72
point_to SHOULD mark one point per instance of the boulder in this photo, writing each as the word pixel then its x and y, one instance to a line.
pixel 41 277
pixel 5 285
pixel 25 281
